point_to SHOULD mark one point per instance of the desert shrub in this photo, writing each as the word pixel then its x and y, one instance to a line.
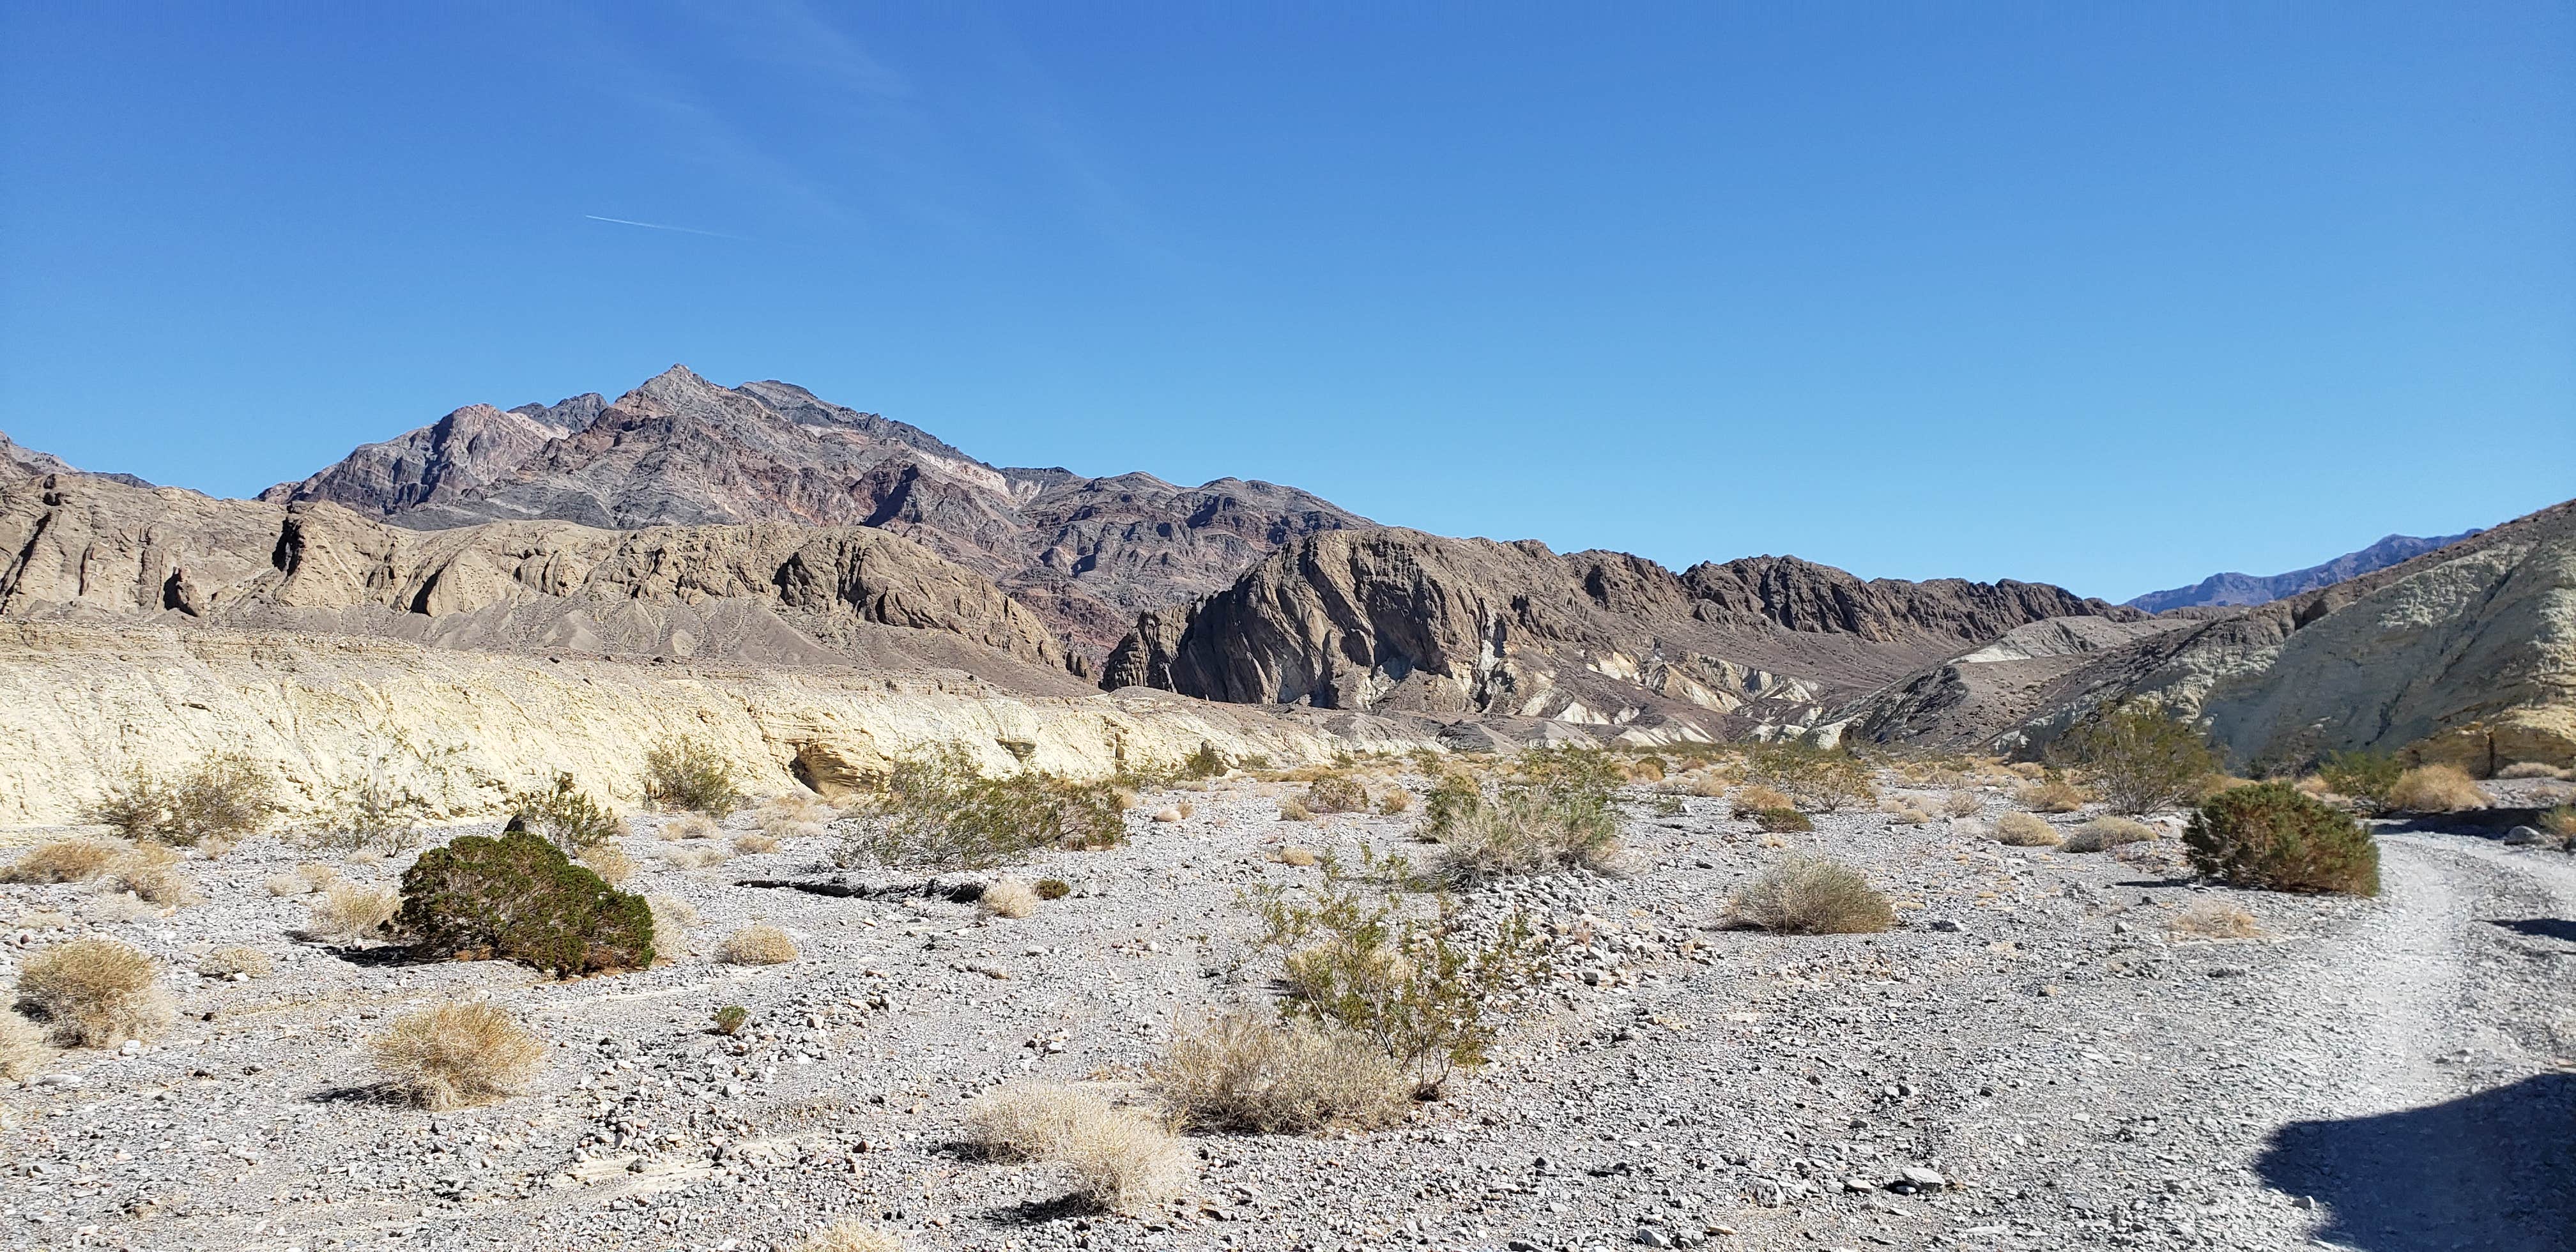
pixel 352 913
pixel 687 773
pixel 695 855
pixel 2368 778
pixel 2104 833
pixel 23 1049
pixel 1757 798
pixel 1207 762
pixel 1822 779
pixel 94 993
pixel 757 944
pixel 2268 835
pixel 2138 759
pixel 1396 803
pixel 1453 792
pixel 456 1055
pixel 231 959
pixel 1963 804
pixel 1430 992
pixel 304 880
pixel 608 861
pixel 2534 769
pixel 1292 809
pixel 2215 919
pixel 1009 897
pixel 1052 888
pixel 938 810
pixel 76 859
pixel 224 797
pixel 1524 831
pixel 1301 857
pixel 688 826
pixel 150 871
pixel 1647 769
pixel 517 897
pixel 2561 821
pixel 731 1018
pixel 673 918
pixel 1814 895
pixel 1570 774
pixel 565 815
pixel 1029 1121
pixel 801 807
pixel 1337 793
pixel 2021 830
pixel 1119 1159
pixel 1779 821
pixel 2436 789
pixel 1249 1072
pixel 850 1236
pixel 2051 795
pixel 750 843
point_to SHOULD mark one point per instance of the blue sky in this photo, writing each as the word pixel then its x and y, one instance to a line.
pixel 2113 296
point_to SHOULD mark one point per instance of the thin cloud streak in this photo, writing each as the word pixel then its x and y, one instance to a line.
pixel 685 230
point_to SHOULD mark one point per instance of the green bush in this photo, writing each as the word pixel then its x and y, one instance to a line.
pixel 566 815
pixel 1823 779
pixel 1051 888
pixel 2368 777
pixel 1453 796
pixel 687 774
pixel 516 897
pixel 1781 821
pixel 1814 895
pixel 730 1019
pixel 1556 812
pixel 1337 793
pixel 1207 762
pixel 224 797
pixel 938 810
pixel 2138 759
pixel 2270 835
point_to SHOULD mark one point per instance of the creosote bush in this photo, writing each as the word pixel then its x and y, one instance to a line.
pixel 2021 830
pixel 1825 780
pixel 1052 888
pixel 352 913
pixel 456 1055
pixel 224 798
pixel 2137 758
pixel 2105 833
pixel 565 815
pixel 937 810
pixel 94 993
pixel 1205 763
pixel 1555 813
pixel 1814 895
pixel 2366 778
pixel 1251 1072
pixel 519 898
pixel 1780 821
pixel 686 773
pixel 757 944
pixel 2436 789
pixel 75 859
pixel 2269 835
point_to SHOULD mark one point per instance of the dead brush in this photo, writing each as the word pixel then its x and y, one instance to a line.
pixel 608 861
pixel 850 1236
pixel 1291 809
pixel 687 826
pixel 456 1055
pixel 151 872
pixel 232 959
pixel 2215 919
pixel 1247 1072
pixel 1008 897
pixel 751 843
pixel 23 1050
pixel 2051 795
pixel 2022 830
pixel 350 913
pixel 1337 793
pixel 1756 798
pixel 2105 833
pixel 1814 895
pixel 1120 1160
pixel 94 993
pixel 757 944
pixel 306 879
pixel 2436 789
pixel 75 859
pixel 1963 804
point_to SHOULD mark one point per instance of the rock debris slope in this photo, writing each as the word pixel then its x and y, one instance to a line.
pixel 2465 653
pixel 1396 619
pixel 1085 553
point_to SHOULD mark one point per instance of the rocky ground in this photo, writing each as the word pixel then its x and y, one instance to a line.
pixel 2034 1059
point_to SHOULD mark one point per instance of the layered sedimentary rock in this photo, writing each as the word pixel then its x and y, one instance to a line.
pixel 2467 652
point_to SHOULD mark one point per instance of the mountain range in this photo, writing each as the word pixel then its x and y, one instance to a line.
pixel 2220 590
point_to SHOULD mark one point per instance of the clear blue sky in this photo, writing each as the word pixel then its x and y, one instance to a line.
pixel 2107 295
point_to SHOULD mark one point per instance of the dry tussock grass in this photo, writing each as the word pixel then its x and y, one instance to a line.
pixel 1396 803
pixel 2535 769
pixel 757 944
pixel 1009 897
pixel 1120 1160
pixel 231 959
pixel 1759 798
pixel 1291 809
pixel 608 861
pixel 751 844
pixel 1247 1072
pixel 851 1236
pixel 1029 1121
pixel 1814 895
pixel 351 913
pixel 456 1055
pixel 2054 795
pixel 23 1050
pixel 2104 833
pixel 1302 858
pixel 2436 789
pixel 2215 919
pixel 305 880
pixel 151 872
pixel 688 826
pixel 76 859
pixel 694 856
pixel 798 807
pixel 2021 830
pixel 94 993
pixel 1963 804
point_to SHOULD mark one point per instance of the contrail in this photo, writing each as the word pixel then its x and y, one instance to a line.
pixel 685 230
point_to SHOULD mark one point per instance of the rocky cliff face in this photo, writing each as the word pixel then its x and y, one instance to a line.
pixel 2221 590
pixel 17 461
pixel 85 549
pixel 2467 652
pixel 1086 554
pixel 1400 620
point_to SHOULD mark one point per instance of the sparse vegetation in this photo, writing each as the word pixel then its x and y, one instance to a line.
pixel 2105 833
pixel 687 773
pixel 2051 795
pixel 1825 780
pixel 2436 789
pixel 938 810
pixel 731 1018
pixel 1757 798
pixel 2366 778
pixel 231 959
pixel 1248 1072
pixel 351 913
pixel 150 872
pixel 519 898
pixel 1052 888
pixel 2215 919
pixel 2561 822
pixel 690 826
pixel 1337 793
pixel 565 815
pixel 1292 809
pixel 1779 821
pixel 1207 762
pixel 1395 803
pixel 2022 830
pixel 1008 897
pixel 850 1236
pixel 1556 814
pixel 456 1055
pixel 608 861
pixel 1120 1160
pixel 23 1050
pixel 2534 769
pixel 94 993
pixel 1814 895
pixel 2137 758
pixel 1963 804
pixel 73 859
pixel 223 799
pixel 2269 835
pixel 752 843
pixel 757 944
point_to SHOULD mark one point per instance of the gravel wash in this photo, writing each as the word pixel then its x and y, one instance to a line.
pixel 2034 1059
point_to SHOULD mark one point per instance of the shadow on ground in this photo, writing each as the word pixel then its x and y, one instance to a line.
pixel 2495 1170
pixel 2542 928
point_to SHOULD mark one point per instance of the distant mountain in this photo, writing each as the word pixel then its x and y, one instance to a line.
pixel 1086 553
pixel 24 462
pixel 2245 589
